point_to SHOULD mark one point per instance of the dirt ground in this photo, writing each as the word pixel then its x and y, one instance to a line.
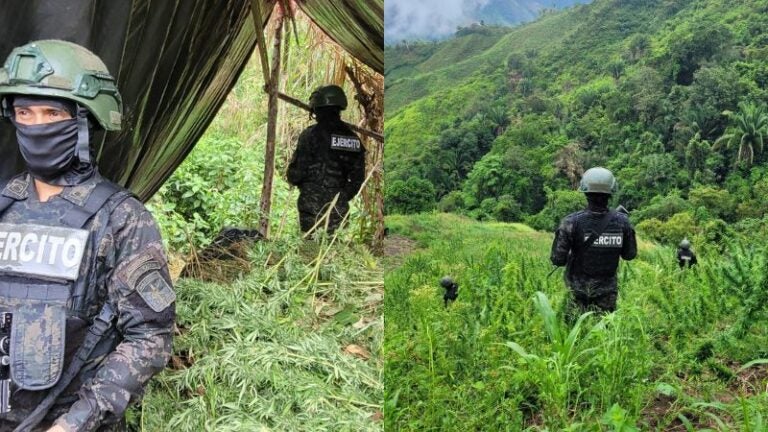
pixel 396 248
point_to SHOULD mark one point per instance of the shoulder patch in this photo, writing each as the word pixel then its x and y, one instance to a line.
pixel 18 187
pixel 156 291
pixel 346 143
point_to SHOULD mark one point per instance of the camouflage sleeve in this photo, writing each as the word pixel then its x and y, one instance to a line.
pixel 561 245
pixel 140 287
pixel 629 248
pixel 300 159
pixel 356 175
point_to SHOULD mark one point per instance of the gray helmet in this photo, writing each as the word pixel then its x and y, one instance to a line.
pixel 446 282
pixel 60 69
pixel 327 96
pixel 598 180
pixel 685 244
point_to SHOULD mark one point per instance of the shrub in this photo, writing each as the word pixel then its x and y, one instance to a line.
pixel 410 196
pixel 559 204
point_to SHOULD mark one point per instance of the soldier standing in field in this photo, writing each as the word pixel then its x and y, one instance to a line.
pixel 590 242
pixel 685 256
pixel 329 161
pixel 87 307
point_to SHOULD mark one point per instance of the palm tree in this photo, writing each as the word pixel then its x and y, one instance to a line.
pixel 748 130
pixel 568 161
pixel 696 154
pixel 697 122
pixel 498 115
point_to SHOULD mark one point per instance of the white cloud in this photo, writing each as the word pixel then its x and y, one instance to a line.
pixel 417 19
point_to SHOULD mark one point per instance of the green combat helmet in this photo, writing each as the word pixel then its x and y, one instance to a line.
pixel 598 180
pixel 56 68
pixel 328 96
pixel 685 244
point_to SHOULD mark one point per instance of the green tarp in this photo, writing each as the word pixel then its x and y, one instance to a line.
pixel 356 25
pixel 175 62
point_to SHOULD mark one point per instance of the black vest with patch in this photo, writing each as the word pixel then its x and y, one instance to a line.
pixel 601 259
pixel 334 148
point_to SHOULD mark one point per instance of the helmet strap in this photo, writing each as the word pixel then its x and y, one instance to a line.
pixel 82 149
pixel 5 106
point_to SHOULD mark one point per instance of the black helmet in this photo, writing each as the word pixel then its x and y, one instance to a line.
pixel 328 96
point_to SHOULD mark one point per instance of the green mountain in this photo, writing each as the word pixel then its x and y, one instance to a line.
pixel 512 12
pixel 499 123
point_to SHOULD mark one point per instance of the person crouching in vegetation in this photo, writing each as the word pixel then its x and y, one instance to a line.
pixel 685 256
pixel 329 161
pixel 589 243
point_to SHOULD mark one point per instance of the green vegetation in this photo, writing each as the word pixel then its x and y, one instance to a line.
pixel 685 351
pixel 288 335
pixel 668 94
pixel 294 345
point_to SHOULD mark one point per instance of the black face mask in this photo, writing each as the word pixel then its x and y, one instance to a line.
pixel 48 149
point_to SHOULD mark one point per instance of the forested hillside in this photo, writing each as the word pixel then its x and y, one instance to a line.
pixel 499 123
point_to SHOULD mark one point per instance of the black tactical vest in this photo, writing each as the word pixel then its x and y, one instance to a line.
pixel 684 256
pixel 334 146
pixel 46 286
pixel 601 259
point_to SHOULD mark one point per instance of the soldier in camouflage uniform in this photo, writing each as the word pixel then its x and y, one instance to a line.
pixel 590 271
pixel 78 254
pixel 329 160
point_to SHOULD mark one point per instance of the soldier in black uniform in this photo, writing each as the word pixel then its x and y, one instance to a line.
pixel 685 256
pixel 86 302
pixel 329 160
pixel 590 242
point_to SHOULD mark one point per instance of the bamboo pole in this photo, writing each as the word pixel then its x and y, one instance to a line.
pixel 373 195
pixel 260 42
pixel 269 157
pixel 297 103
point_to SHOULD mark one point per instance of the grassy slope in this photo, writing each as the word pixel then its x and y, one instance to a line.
pixel 669 356
pixel 457 59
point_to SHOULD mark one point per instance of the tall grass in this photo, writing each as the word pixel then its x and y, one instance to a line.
pixel 677 353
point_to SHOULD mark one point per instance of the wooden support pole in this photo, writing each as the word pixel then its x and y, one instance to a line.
pixel 261 44
pixel 269 157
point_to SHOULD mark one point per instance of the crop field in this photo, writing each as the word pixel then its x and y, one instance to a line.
pixel 686 350
pixel 290 346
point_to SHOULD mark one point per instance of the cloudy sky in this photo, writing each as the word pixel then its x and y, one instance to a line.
pixel 435 19
pixel 422 19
